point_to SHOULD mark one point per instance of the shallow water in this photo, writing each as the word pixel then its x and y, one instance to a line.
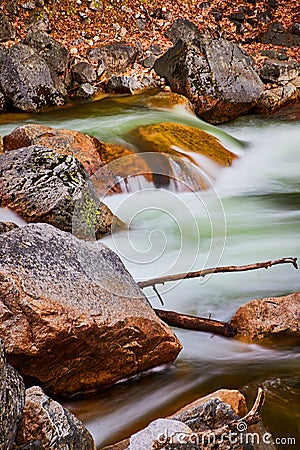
pixel 252 213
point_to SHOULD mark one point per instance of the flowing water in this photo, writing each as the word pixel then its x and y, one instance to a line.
pixel 251 213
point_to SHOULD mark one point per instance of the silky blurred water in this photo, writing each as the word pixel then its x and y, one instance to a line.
pixel 251 213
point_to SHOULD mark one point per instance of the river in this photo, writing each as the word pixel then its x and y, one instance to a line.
pixel 250 214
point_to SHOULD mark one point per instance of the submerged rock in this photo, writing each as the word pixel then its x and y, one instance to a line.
pixel 26 80
pixel 43 186
pixel 45 424
pixel 216 75
pixel 168 100
pixel 12 393
pixel 73 318
pixel 175 148
pixel 275 319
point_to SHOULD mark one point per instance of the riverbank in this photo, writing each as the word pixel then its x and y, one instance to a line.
pixel 97 47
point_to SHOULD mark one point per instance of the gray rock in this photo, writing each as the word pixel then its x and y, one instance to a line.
pixel 119 84
pixel 279 39
pixel 278 71
pixel 183 29
pixel 101 68
pixel 39 21
pixel 43 186
pixel 46 424
pixel 7 31
pixel 216 75
pixel 30 4
pixel 179 433
pixel 55 54
pixel 85 91
pixel 12 393
pixel 73 318
pixel 148 62
pixel 158 430
pixel 2 102
pixel 116 56
pixel 26 80
pixel 83 72
pixel 296 29
pixel 273 99
pixel 5 227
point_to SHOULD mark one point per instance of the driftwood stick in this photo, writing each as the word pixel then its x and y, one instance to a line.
pixel 195 323
pixel 253 415
pixel 224 269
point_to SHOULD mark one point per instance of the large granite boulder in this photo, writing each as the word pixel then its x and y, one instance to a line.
pixel 275 319
pixel 55 54
pixel 47 425
pixel 26 80
pixel 12 394
pixel 72 317
pixel 216 75
pixel 43 186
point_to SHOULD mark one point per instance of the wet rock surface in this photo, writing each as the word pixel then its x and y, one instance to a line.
pixel 45 424
pixel 12 393
pixel 26 80
pixel 123 85
pixel 216 75
pixel 269 320
pixel 43 186
pixel 73 318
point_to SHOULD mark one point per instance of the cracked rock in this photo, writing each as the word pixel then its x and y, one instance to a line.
pixel 73 319
pixel 216 75
pixel 46 424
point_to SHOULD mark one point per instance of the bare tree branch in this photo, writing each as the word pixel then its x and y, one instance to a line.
pixel 224 269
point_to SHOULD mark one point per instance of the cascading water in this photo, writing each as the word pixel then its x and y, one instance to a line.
pixel 250 213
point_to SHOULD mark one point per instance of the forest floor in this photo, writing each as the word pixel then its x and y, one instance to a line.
pixel 82 24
